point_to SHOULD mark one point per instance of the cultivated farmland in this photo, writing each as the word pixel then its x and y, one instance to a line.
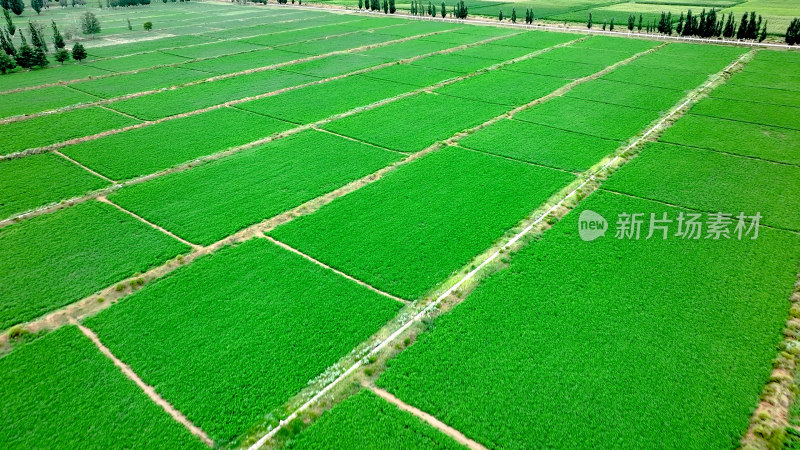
pixel 247 225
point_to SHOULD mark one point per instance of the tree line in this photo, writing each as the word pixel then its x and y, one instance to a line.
pixel 708 25
pixel 459 11
pixel 29 56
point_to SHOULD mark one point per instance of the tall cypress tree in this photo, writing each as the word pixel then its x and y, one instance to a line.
pixel 763 34
pixel 742 32
pixel 58 40
pixel 639 28
pixel 589 23
pixel 37 40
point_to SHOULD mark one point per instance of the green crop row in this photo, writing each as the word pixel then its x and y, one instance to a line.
pixel 146 46
pixel 423 221
pixel 712 181
pixel 29 102
pixel 55 259
pixel 139 61
pixel 504 87
pixel 54 128
pixel 541 145
pixel 335 65
pixel 599 344
pixel 242 61
pixel 177 101
pixel 626 94
pixel 337 43
pixel 214 49
pixel 147 80
pixel 59 391
pixel 208 203
pixel 752 112
pixel 412 75
pixel 312 103
pixel 741 138
pixel 366 421
pixel 408 125
pixel 589 117
pixel 52 75
pixel 157 147
pixel 251 299
pixel 33 181
pixel 762 94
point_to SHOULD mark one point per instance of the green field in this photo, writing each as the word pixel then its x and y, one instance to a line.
pixel 455 203
pixel 252 299
pixel 367 421
pixel 46 264
pixel 570 337
pixel 38 180
pixel 294 185
pixel 279 176
pixel 59 387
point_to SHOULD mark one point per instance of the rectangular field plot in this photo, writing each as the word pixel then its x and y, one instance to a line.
pixel 625 94
pixel 365 419
pixel 307 34
pixel 730 136
pixel 495 52
pixel 417 27
pixel 56 74
pixel 335 65
pixel 589 117
pixel 214 49
pixel 504 87
pixel 415 130
pixel 605 43
pixel 412 75
pixel 407 49
pixel 534 40
pixel 569 323
pixel 744 111
pixel 780 97
pixel 708 58
pixel 55 259
pixel 243 61
pixel 60 386
pixel 140 81
pixel 37 180
pixel 455 62
pixel 55 128
pixel 279 176
pixel 44 99
pixel 634 73
pixel 176 101
pixel 539 144
pixel 454 204
pixel 147 45
pixel 586 55
pixel 157 147
pixel 252 299
pixel 456 39
pixel 312 103
pixel 338 43
pixel 713 182
pixel 555 68
pixel 140 61
pixel 775 80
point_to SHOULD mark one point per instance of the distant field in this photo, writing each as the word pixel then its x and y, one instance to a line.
pixel 297 184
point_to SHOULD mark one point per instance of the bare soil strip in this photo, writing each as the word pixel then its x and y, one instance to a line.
pixel 147 389
pixel 557 210
pixel 338 272
pixel 432 421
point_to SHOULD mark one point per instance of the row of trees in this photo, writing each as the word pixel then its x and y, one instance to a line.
pixel 705 25
pixel 388 6
pixel 459 11
pixel 34 54
pixel 793 32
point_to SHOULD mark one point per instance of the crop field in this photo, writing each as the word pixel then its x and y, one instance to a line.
pixel 365 419
pixel 250 225
pixel 228 302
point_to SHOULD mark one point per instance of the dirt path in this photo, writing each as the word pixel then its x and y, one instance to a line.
pixel 147 389
pixel 429 419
